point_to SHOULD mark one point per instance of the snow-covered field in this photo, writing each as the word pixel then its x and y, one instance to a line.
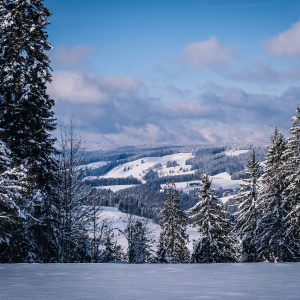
pixel 138 168
pixel 220 180
pixel 129 282
pixel 235 152
pixel 119 220
pixel 116 188
pixel 95 165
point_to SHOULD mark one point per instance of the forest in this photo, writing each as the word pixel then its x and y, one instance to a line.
pixel 48 214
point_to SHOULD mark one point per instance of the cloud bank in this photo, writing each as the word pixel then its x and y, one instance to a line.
pixel 286 43
pixel 211 53
pixel 116 109
pixel 72 57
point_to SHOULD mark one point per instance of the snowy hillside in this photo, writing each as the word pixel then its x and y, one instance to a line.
pixel 119 220
pixel 220 180
pixel 235 152
pixel 138 168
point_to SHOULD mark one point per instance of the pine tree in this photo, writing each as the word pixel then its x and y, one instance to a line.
pixel 109 252
pixel 274 244
pixel 248 213
pixel 292 182
pixel 214 243
pixel 138 246
pixel 26 116
pixel 11 214
pixel 173 225
pixel 162 254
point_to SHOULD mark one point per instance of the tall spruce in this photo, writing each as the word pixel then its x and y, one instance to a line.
pixel 215 243
pixel 292 181
pixel 274 242
pixel 173 226
pixel 12 216
pixel 248 213
pixel 26 116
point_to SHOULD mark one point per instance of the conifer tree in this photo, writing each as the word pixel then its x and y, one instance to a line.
pixel 173 225
pixel 274 243
pixel 248 213
pixel 11 214
pixel 162 255
pixel 214 243
pixel 26 116
pixel 139 248
pixel 292 181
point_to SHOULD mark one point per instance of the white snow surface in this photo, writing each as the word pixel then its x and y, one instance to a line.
pixel 119 221
pixel 225 199
pixel 116 188
pixel 235 152
pixel 138 169
pixel 95 165
pixel 152 282
pixel 220 180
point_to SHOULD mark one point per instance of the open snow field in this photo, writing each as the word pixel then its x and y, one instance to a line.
pixel 119 220
pixel 138 168
pixel 220 180
pixel 235 152
pixel 129 282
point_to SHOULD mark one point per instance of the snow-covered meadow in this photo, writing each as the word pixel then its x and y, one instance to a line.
pixel 138 168
pixel 118 221
pixel 129 282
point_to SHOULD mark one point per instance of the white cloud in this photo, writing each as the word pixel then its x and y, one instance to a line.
pixel 114 109
pixel 74 56
pixel 79 87
pixel 286 43
pixel 210 52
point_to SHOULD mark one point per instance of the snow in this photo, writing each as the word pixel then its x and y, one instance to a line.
pixel 220 180
pixel 116 188
pixel 119 220
pixel 95 165
pixel 235 152
pixel 224 180
pixel 138 168
pixel 225 199
pixel 155 281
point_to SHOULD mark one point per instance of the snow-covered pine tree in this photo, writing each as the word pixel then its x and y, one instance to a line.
pixel 139 248
pixel 173 227
pixel 162 255
pixel 274 244
pixel 292 172
pixel 109 252
pixel 11 215
pixel 26 116
pixel 215 243
pixel 248 213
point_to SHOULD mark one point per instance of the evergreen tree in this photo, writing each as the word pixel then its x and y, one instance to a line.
pixel 138 246
pixel 292 182
pixel 274 243
pixel 11 213
pixel 110 251
pixel 162 254
pixel 173 225
pixel 26 116
pixel 248 213
pixel 214 243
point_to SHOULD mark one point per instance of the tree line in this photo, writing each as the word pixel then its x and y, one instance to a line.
pixel 47 214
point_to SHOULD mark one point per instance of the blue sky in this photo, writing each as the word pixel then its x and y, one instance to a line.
pixel 187 71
